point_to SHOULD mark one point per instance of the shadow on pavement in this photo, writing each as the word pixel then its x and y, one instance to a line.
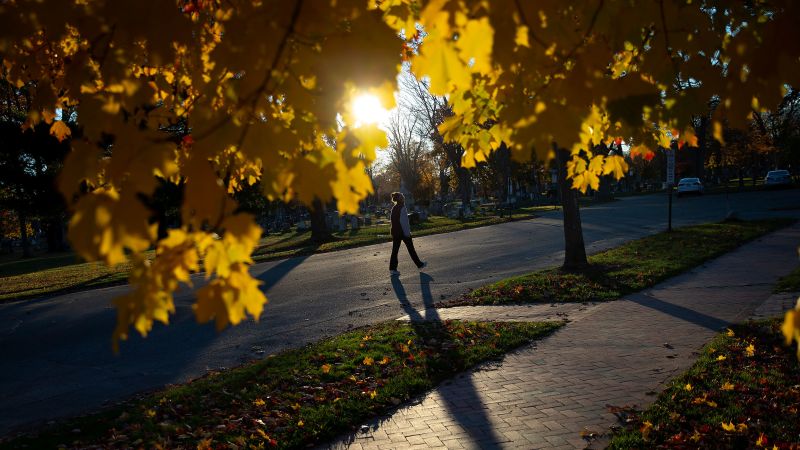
pixel 461 398
pixel 680 312
pixel 276 273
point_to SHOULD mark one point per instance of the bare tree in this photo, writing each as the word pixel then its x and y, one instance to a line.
pixel 432 111
pixel 406 149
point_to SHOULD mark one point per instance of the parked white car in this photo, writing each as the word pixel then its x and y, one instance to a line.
pixel 777 178
pixel 690 186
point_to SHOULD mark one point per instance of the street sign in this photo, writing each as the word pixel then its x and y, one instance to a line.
pixel 670 167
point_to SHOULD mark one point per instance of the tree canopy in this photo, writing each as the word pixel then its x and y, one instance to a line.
pixel 262 86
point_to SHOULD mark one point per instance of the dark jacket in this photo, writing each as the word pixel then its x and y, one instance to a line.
pixel 400 227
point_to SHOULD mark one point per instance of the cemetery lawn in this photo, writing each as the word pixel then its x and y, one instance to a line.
pixel 51 273
pixel 294 243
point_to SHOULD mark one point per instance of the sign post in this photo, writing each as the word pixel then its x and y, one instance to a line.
pixel 670 182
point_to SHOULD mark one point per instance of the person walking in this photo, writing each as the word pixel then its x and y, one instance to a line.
pixel 401 232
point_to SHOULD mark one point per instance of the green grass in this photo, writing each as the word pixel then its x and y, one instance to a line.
pixel 789 283
pixel 299 397
pixel 47 274
pixel 757 393
pixel 628 268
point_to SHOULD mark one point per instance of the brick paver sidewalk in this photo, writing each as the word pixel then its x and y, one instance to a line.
pixel 617 353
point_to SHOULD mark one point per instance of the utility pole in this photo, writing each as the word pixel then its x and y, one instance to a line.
pixel 670 181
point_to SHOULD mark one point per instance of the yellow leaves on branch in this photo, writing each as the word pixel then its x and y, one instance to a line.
pixel 228 298
pixel 587 175
pixel 234 293
pixel 269 110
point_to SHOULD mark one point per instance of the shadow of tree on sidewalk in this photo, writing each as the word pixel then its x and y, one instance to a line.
pixel 679 312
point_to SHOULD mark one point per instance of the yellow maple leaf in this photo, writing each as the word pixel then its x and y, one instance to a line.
pixel 259 402
pixel 616 165
pixel 475 42
pixel 729 333
pixel 384 361
pixel 521 38
pixel 750 350
pixel 369 137
pixel 326 368
pixel 351 185
pixel 762 440
pixel 230 299
pixel 368 361
pixel 791 327
pixel 688 387
pixel 727 386
pixel 695 437
pixel 106 223
pixel 60 130
pixel 204 444
pixel 373 394
pixel 728 426
pixel 439 60
pixel 645 429
pixel 721 358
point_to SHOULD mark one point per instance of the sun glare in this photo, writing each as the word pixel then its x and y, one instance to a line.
pixel 367 109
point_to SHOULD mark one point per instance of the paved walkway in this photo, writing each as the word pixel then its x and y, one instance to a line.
pixel 552 393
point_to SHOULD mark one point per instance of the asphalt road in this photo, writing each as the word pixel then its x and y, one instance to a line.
pixel 56 353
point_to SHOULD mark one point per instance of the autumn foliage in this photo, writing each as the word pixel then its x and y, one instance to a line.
pixel 215 95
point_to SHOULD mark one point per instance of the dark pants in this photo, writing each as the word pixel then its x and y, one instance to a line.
pixel 396 247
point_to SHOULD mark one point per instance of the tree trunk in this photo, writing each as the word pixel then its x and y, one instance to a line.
pixel 463 186
pixel 603 193
pixel 319 229
pixel 444 184
pixel 574 248
pixel 55 234
pixel 23 233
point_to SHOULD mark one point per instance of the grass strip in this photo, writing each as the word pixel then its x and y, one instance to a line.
pixel 629 268
pixel 789 283
pixel 741 393
pixel 298 397
pixel 49 274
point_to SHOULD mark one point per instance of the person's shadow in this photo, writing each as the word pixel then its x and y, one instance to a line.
pixel 461 398
pixel 430 313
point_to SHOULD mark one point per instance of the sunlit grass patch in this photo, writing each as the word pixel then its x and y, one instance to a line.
pixel 789 283
pixel 629 268
pixel 742 392
pixel 40 276
pixel 298 397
